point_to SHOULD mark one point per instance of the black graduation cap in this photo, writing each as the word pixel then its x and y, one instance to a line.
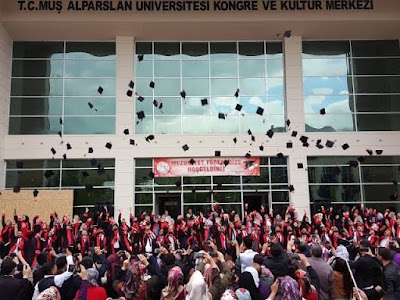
pixel 160 106
pixel 126 131
pixel 249 132
pixel 61 121
pixel 253 138
pixel 291 188
pixel 140 98
pixel 306 144
pixel 204 101
pixel 35 193
pixel 93 162
pixel 289 145
pixel 20 164
pixel 353 163
pixel 249 164
pixel 90 105
pixel 185 147
pixel 141 115
pixel 236 93
pixel 152 84
pixel 69 146
pixel 100 90
pixel 226 162
pixel 280 155
pixel 140 57
pixel 85 174
pixel 178 183
pixel 300 165
pixel 247 155
pixel 129 93
pixel 60 133
pixel 287 33
pixel 360 159
pixel 369 151
pixel 294 133
pixel 238 107
pixel 151 174
pixel 329 143
pixel 270 133
pixel 65 156
pixel 132 142
pixel 149 138
pixel 192 161
pixel 345 146
pixel 183 94
pixel 303 139
pixel 53 151
pixel 378 152
pixel 394 182
pixel 108 145
pixel 131 84
pixel 261 148
pixel 260 111
pixel 155 103
pixel 221 116
pixel 16 189
pixel 322 111
pixel 217 153
pixel 319 146
pixel 319 141
pixel 288 122
pixel 48 174
pixel 235 140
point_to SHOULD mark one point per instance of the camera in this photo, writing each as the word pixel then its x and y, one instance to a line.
pixel 20 267
pixel 74 268
pixel 199 255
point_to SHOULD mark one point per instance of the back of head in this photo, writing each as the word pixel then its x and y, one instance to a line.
pixel 87 262
pixel 258 259
pixel 41 258
pixel 385 253
pixel 47 268
pixel 196 287
pixel 364 245
pixel 302 246
pixel 61 262
pixel 276 249
pixel 247 242
pixel 8 266
pixel 169 259
pixel 316 250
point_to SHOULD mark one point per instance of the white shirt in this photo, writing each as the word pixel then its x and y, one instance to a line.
pixel 246 259
pixel 58 281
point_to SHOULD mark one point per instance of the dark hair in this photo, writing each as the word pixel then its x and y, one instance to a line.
pixel 61 262
pixel 87 262
pixel 302 246
pixel 316 250
pixel 41 258
pixel 341 267
pixel 385 253
pixel 169 259
pixel 7 266
pixel 47 267
pixel 258 259
pixel 247 242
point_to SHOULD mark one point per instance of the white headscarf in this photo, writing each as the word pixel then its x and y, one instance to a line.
pixel 254 274
pixel 197 288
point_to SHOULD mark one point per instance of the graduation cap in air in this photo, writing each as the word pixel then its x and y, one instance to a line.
pixel 261 148
pixel 306 144
pixel 108 145
pixel 140 57
pixel 16 189
pixel 217 153
pixel 48 174
pixel 303 139
pixel 289 145
pixel 291 188
pixel 394 182
pixel 93 162
pixel 353 163
pixel 35 193
pixel 221 116
pixel 226 162
pixel 61 121
pixel 204 101
pixel 53 151
pixel 253 138
pixel 320 146
pixel 178 183
pixel 260 111
pixel 250 164
pixel 91 106
pixel 60 133
pixel 280 155
pixel 140 115
pixel 85 174
pixel 131 84
pixel 129 93
pixel 192 161
pixel 239 107
pixel 235 140
pixel 140 98
pixel 69 146
pixel 287 122
pixel 155 103
pixel 329 143
pixel 369 151
pixel 126 131
pixel 65 156
pixel 183 94
pixel 322 111
pixel 20 164
pixel 160 106
pixel 100 90
pixel 294 133
pixel 149 138
pixel 132 142
pixel 360 159
pixel 270 133
pixel 287 33
pixel 345 146
pixel 185 147
pixel 236 93
pixel 300 165
pixel 152 84
pixel 249 132
pixel 151 174
pixel 378 152
pixel 247 155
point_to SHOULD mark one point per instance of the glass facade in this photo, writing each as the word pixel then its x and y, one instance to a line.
pixel 332 179
pixel 211 70
pixel 58 79
pixel 357 82
pixel 199 193
pixel 68 175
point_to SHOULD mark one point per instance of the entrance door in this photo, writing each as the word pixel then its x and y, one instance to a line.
pixel 255 200
pixel 171 203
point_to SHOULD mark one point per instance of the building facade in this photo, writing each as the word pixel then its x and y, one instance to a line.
pixel 99 92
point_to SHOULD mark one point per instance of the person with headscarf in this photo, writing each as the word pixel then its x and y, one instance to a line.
pixel 197 288
pixel 243 294
pixel 288 289
pixel 175 289
pixel 51 293
pixel 89 286
pixel 130 283
pixel 229 295
pixel 212 277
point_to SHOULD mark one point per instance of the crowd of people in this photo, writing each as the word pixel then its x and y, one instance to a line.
pixel 335 254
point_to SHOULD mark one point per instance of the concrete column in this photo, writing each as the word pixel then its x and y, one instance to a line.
pixel 5 86
pixel 124 168
pixel 300 198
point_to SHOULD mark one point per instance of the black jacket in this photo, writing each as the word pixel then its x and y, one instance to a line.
pixel 367 272
pixel 15 289
pixel 280 266
pixel 391 279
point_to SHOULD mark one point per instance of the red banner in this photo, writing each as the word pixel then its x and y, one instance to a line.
pixel 216 166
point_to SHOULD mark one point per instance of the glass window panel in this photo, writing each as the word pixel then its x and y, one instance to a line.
pixel 330 174
pixel 226 180
pixel 384 122
pixel 328 160
pixel 144 48
pixel 197 198
pixel 167 68
pixel 251 68
pixel 194 124
pixel 332 104
pixel 250 104
pixel 278 161
pixel 275 105
pixel 382 206
pixel 72 178
pixel 378 103
pixel 95 197
pixel 331 49
pixel 144 126
pixel 79 106
pixel 167 87
pixel 379 174
pixel 143 88
pixel 326 67
pixel 224 87
pixel 144 162
pixel 252 86
pixel 376 66
pixel 34 125
pixel 227 197
pixel 387 84
pixel 196 87
pixel 36 106
pixel 223 69
pixel 197 180
pixel 34 164
pixel 90 68
pixel 171 106
pixel 195 68
pixel 89 125
pixel 143 198
pixel 194 50
pixel 37 68
pixel 378 193
pixel 274 50
pixel 193 106
pixel 369 160
pixel 229 125
pixel 237 208
pixel 142 176
pixel 275 68
pixel 138 210
pixel 38 50
pixel 146 106
pixel 223 105
pixel 335 193
pixel 31 179
pixel 223 50
pixel 196 209
pixel 90 50
pixel 166 50
pixel 327 85
pixel 277 122
pixel 255 123
pixel 279 175
pixel 337 122
pixel 144 69
pixel 37 87
pixel 375 48
pixel 274 86
pixel 79 163
pixel 251 49
pixel 263 178
pixel 167 125
pixel 89 87
pixel 281 196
